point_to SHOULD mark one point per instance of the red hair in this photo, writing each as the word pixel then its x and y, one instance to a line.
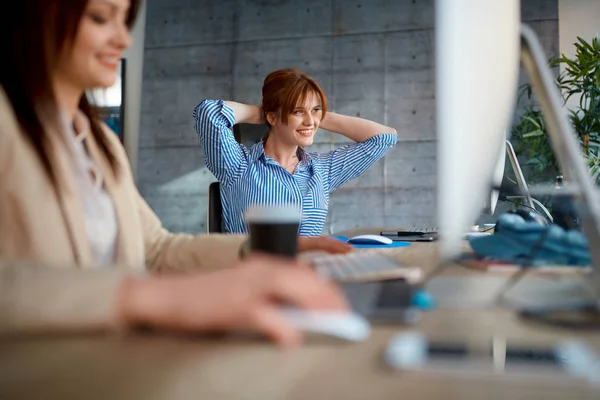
pixel 284 89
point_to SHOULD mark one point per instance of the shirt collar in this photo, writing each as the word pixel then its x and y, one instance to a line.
pixel 304 159
pixel 257 152
pixel 80 126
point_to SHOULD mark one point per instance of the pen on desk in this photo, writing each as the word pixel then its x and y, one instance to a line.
pixel 401 233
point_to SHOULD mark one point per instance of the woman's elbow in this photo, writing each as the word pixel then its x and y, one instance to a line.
pixel 390 138
pixel 386 134
pixel 385 130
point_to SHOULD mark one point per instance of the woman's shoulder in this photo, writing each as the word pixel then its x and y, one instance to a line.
pixel 8 119
pixel 9 126
pixel 112 136
pixel 115 146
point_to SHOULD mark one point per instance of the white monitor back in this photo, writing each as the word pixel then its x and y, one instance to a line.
pixel 477 68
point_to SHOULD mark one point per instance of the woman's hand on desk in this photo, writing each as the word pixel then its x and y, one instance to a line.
pixel 309 244
pixel 233 299
pixel 323 243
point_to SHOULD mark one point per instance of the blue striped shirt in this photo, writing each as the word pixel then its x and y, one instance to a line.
pixel 249 177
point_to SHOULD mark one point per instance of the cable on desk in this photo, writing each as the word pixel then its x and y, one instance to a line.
pixel 442 266
pixel 582 316
pixel 550 316
pixel 438 270
pixel 518 203
pixel 540 205
pixel 524 268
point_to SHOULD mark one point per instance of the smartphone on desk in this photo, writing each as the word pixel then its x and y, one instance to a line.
pixel 400 236
pixel 568 359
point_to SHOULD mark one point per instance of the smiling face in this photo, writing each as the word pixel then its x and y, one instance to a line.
pixel 294 105
pixel 301 124
pixel 94 57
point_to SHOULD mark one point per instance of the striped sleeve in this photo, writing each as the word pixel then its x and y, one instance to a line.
pixel 351 161
pixel 224 157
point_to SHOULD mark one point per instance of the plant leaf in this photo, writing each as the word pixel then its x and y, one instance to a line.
pixel 535 133
pixel 534 122
pixel 585 44
pixel 580 77
pixel 574 67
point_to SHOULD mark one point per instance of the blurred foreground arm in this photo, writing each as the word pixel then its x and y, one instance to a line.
pixel 36 298
pixel 245 298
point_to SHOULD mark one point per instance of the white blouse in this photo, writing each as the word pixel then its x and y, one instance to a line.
pixel 99 211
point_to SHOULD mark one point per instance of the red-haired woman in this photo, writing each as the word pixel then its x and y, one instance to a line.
pixel 278 170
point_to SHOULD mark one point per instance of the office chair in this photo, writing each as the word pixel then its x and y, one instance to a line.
pixel 252 134
pixel 214 211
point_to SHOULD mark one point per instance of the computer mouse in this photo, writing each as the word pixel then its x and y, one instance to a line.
pixel 370 239
pixel 348 326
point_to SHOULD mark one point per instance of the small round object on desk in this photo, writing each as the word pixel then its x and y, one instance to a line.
pixel 423 300
pixel 407 350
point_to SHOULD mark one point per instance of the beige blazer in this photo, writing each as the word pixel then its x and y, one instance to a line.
pixel 42 230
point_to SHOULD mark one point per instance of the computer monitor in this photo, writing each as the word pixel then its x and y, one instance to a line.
pixel 479 48
pixel 477 70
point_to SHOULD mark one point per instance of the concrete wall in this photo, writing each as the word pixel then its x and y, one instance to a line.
pixel 374 59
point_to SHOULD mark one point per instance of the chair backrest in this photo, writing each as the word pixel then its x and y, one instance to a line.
pixel 215 210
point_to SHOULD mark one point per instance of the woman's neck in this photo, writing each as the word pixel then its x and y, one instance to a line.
pixel 67 97
pixel 283 153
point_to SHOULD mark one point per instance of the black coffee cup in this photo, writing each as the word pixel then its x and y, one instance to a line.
pixel 274 229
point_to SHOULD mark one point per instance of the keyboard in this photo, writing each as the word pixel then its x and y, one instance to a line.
pixel 364 266
pixel 422 230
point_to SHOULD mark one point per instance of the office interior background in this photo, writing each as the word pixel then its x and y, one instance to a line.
pixel 374 59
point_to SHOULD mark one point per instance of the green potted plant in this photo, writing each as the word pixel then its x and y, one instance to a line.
pixel 581 77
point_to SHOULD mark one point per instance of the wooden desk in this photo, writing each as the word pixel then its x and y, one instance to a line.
pixel 162 367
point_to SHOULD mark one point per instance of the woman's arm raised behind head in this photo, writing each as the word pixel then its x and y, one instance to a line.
pixel 357 129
